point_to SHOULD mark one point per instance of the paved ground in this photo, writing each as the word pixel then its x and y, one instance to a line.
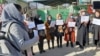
pixel 68 51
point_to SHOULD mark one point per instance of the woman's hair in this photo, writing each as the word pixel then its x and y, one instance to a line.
pixel 97 11
pixel 19 8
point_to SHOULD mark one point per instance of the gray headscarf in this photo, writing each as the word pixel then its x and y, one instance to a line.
pixel 10 13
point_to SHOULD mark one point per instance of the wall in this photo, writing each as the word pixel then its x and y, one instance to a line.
pixel 64 12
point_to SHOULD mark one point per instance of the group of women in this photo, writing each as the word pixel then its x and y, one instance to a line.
pixel 19 32
pixel 83 30
pixel 59 31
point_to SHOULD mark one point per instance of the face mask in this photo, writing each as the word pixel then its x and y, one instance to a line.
pixel 40 19
pixel 59 18
pixel 93 11
pixel 71 17
pixel 75 17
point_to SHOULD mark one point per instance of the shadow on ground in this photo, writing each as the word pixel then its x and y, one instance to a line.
pixel 90 50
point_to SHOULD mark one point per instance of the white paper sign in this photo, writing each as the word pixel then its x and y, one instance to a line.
pixel 84 18
pixel 96 21
pixel 52 24
pixel 59 22
pixel 24 16
pixel 35 33
pixel 71 24
pixel 31 24
pixel 40 26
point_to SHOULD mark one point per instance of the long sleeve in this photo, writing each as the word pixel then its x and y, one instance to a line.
pixel 78 23
pixel 21 37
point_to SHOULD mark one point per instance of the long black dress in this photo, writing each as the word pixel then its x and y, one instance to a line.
pixel 96 34
pixel 82 33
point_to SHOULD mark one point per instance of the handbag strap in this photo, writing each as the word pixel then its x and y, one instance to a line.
pixel 7 35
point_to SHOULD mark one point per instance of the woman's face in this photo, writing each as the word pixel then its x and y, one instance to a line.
pixel 59 17
pixel 49 17
pixel 97 14
pixel 82 13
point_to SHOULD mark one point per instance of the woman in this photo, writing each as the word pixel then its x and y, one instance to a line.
pixel 31 32
pixel 96 31
pixel 69 32
pixel 82 33
pixel 59 32
pixel 18 32
pixel 41 34
pixel 49 32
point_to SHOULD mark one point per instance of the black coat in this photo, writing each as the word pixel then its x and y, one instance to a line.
pixel 40 32
pixel 82 32
pixel 96 33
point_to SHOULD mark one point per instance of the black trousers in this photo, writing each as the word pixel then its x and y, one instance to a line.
pixel 52 40
pixel 32 49
pixel 59 39
pixel 40 44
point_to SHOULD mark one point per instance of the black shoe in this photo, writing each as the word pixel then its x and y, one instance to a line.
pixel 52 47
pixel 67 44
pixel 58 46
pixel 49 48
pixel 43 51
pixel 33 53
pixel 81 47
pixel 77 43
pixel 72 45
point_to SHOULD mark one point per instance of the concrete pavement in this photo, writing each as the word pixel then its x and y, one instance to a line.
pixel 90 50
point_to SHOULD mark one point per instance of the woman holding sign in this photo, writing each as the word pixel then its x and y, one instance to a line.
pixel 70 31
pixel 59 30
pixel 82 33
pixel 49 31
pixel 18 33
pixel 96 28
pixel 41 33
pixel 31 28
